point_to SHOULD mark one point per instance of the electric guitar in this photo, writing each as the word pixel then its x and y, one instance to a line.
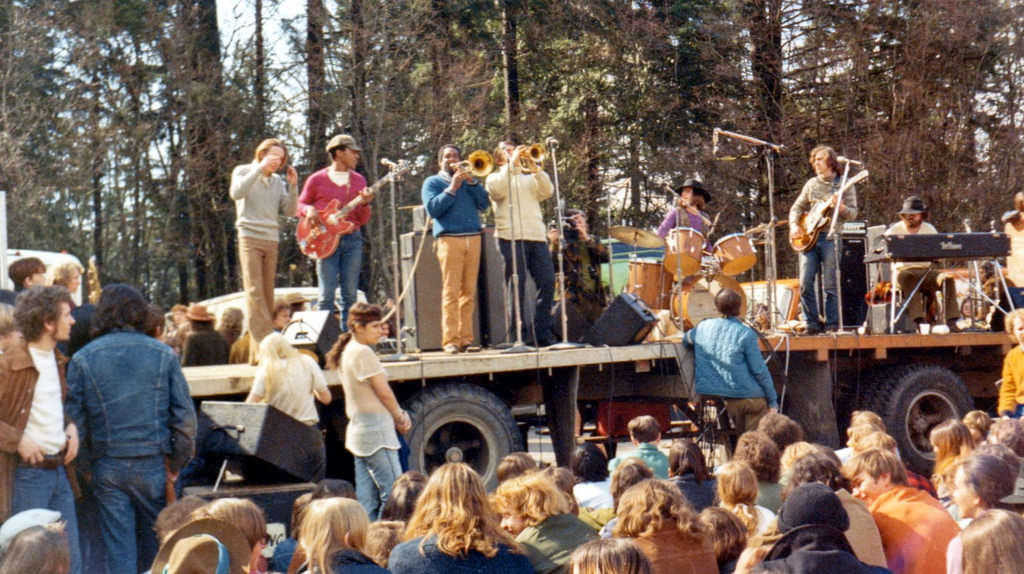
pixel 819 216
pixel 321 239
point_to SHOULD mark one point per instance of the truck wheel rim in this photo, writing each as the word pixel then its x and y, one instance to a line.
pixel 456 441
pixel 927 409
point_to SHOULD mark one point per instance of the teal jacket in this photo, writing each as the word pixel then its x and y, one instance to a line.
pixel 649 453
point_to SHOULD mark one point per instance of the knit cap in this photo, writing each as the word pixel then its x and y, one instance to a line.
pixel 813 503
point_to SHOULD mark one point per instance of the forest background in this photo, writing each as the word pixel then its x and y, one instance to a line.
pixel 120 120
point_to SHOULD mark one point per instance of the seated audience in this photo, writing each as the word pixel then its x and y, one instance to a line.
pixel 630 472
pixel 203 346
pixel 812 522
pixel 563 479
pixel 404 493
pixel 539 516
pixel 645 433
pixel 248 518
pixel 759 451
pixel 37 550
pixel 727 534
pixel 454 528
pixel 333 536
pixel 793 453
pixel 978 422
pixel 952 443
pixel 881 440
pixel 783 430
pixel 737 493
pixel 1008 432
pixel 202 546
pixel 286 550
pixel 992 543
pixel 689 472
pixel 515 464
pixel 863 419
pixel 608 555
pixel 980 482
pixel 593 482
pixel 381 539
pixel 334 488
pixel 915 527
pixel 666 529
pixel 175 515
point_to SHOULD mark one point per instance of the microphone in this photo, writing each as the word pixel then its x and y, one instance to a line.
pixel 714 143
pixel 842 159
pixel 388 163
pixel 551 142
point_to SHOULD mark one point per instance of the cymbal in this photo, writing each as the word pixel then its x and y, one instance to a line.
pixel 761 228
pixel 637 237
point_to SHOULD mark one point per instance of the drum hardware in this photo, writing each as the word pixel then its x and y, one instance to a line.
pixel 636 237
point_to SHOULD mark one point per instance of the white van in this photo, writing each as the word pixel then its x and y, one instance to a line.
pixel 51 259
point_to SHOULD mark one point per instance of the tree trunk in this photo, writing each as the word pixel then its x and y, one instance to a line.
pixel 316 122
pixel 260 80
pixel 511 69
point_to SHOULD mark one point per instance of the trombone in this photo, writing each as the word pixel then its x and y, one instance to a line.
pixel 478 164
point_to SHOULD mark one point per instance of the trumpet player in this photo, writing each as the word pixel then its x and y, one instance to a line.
pixel 516 190
pixel 454 198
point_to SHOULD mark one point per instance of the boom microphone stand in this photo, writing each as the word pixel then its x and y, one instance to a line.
pixel 398 355
pixel 565 344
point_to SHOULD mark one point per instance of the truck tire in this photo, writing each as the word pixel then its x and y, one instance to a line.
pixel 912 400
pixel 461 423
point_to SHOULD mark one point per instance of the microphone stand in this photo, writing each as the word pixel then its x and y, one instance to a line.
pixel 519 346
pixel 837 250
pixel 398 355
pixel 565 344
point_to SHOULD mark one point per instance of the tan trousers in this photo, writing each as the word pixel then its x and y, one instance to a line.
pixel 459 256
pixel 746 413
pixel 935 280
pixel 259 264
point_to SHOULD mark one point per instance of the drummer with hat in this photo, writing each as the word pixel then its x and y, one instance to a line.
pixel 909 274
pixel 689 209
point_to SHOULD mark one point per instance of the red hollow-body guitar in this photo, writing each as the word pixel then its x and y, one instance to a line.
pixel 321 240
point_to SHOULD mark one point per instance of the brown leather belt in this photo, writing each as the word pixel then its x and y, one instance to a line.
pixel 49 462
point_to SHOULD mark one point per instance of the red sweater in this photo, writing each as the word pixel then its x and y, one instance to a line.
pixel 320 190
pixel 915 530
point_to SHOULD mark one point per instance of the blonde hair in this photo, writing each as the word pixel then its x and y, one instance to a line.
pixel 737 492
pixel 978 422
pixel 793 453
pixel 264 147
pixel 952 442
pixel 991 541
pixel 532 496
pixel 868 418
pixel 454 508
pixel 650 506
pixel 1008 323
pixel 241 512
pixel 278 358
pixel 63 272
pixel 855 435
pixel 330 525
pixel 876 462
pixel 877 439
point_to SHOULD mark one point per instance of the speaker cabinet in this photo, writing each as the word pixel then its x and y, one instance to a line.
pixel 314 330
pixel 626 321
pixel 854 279
pixel 262 444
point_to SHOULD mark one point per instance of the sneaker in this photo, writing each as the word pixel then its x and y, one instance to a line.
pixel 451 349
pixel 471 348
pixel 812 330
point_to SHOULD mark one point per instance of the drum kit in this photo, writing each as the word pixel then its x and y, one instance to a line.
pixel 690 275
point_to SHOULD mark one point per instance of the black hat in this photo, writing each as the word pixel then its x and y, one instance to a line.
pixel 697 187
pixel 813 503
pixel 912 205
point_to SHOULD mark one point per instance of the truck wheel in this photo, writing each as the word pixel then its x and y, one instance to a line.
pixel 461 423
pixel 912 400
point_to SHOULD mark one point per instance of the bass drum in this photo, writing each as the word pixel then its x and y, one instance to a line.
pixel 649 281
pixel 697 302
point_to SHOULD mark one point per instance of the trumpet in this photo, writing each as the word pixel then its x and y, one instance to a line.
pixel 478 164
pixel 533 159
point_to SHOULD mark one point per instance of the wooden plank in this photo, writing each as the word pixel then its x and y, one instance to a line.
pixel 870 342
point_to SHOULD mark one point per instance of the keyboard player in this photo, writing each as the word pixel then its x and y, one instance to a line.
pixel 908 274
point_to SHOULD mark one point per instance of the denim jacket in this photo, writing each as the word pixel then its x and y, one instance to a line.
pixel 129 398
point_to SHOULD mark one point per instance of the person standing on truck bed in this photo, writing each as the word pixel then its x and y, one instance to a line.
pixel 371 407
pixel 728 364
pixel 1011 391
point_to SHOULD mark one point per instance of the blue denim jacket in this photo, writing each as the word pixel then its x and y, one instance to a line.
pixel 129 398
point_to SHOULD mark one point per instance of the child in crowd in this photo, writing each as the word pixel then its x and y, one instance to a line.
pixel 608 555
pixel 737 493
pixel 728 536
pixel 689 472
pixel 952 443
pixel 515 464
pixel 978 422
pixel 759 451
pixel 630 472
pixel 333 536
pixel 593 482
pixel 645 433
pixel 861 423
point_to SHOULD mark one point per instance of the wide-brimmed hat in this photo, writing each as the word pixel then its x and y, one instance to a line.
pixel 913 205
pixel 197 546
pixel 294 298
pixel 697 187
pixel 343 140
pixel 197 312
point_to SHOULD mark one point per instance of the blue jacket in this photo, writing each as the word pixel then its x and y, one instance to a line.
pixel 457 214
pixel 728 362
pixel 129 398
pixel 406 558
pixel 652 457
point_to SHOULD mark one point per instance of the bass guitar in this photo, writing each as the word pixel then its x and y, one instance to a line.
pixel 819 216
pixel 321 239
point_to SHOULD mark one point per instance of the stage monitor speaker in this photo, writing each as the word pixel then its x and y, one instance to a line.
pixel 263 444
pixel 316 330
pixel 855 282
pixel 626 321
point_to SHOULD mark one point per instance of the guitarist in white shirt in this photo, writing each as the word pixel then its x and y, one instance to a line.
pixel 338 181
pixel 819 257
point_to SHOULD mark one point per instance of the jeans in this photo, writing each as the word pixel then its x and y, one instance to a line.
pixel 533 256
pixel 374 476
pixel 49 488
pixel 129 493
pixel 341 267
pixel 821 257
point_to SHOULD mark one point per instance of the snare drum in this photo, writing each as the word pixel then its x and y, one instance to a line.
pixel 736 253
pixel 649 281
pixel 683 249
pixel 697 302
